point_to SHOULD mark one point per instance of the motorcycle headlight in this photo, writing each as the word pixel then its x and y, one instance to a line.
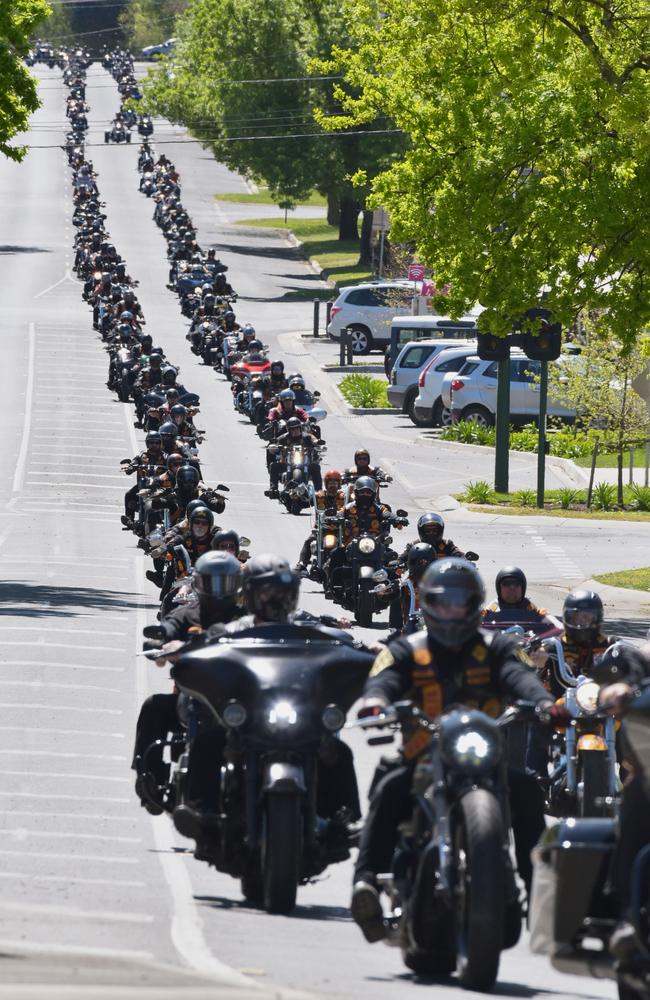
pixel 366 546
pixel 234 714
pixel 333 718
pixel 469 741
pixel 282 715
pixel 472 749
pixel 329 541
pixel 587 697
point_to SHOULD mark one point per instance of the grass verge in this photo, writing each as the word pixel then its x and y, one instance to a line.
pixel 609 460
pixel 586 515
pixel 631 579
pixel 263 197
pixel 338 258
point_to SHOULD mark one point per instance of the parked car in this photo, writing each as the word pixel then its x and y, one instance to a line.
pixel 161 49
pixel 427 408
pixel 471 393
pixel 412 361
pixel 432 326
pixel 368 310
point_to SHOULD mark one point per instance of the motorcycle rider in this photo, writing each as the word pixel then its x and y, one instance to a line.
pixel 362 467
pixel 277 376
pixel 583 640
pixel 217 584
pixel 420 557
pixel 512 607
pixel 431 529
pixel 294 435
pixel 330 500
pixel 152 457
pixel 286 408
pixel 451 661
pixel 363 515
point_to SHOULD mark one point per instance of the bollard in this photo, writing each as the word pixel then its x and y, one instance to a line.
pixel 345 351
pixel 328 314
pixel 316 316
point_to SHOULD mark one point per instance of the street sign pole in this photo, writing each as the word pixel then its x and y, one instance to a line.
pixel 541 439
pixel 502 444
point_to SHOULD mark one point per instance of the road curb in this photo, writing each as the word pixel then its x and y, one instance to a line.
pixel 366 411
pixel 563 467
pixel 619 597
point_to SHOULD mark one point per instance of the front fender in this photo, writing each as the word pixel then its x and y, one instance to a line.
pixel 281 778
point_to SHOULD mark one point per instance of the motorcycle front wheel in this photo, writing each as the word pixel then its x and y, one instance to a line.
pixel 480 889
pixel 364 608
pixel 282 852
pixel 595 783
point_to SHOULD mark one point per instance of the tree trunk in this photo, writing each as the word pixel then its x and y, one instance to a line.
pixel 348 221
pixel 365 254
pixel 333 210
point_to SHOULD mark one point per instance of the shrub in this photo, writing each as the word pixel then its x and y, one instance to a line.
pixel 468 432
pixel 478 492
pixel 641 496
pixel 566 497
pixel 604 496
pixel 524 498
pixel 364 390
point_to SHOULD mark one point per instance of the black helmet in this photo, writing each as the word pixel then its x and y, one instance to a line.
pixel 270 588
pixel 582 614
pixel 194 505
pixel 248 331
pixel 431 527
pixel 153 438
pixel 361 452
pixel 277 366
pixel 294 423
pixel 175 459
pixel 226 537
pixel 146 341
pixel 217 576
pixel 187 477
pixel 286 395
pixel 511 573
pixel 168 430
pixel 420 555
pixel 201 513
pixel 126 316
pixel 296 382
pixel 155 359
pixel 178 413
pixel 365 490
pixel 169 375
pixel 451 584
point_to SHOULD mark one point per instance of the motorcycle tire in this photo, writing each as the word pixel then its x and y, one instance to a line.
pixel 424 963
pixel 282 852
pixel 595 783
pixel 626 992
pixel 478 855
pixel 252 886
pixel 364 609
pixel 123 391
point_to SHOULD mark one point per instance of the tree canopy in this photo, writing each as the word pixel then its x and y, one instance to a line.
pixel 528 169
pixel 18 98
pixel 147 22
pixel 264 126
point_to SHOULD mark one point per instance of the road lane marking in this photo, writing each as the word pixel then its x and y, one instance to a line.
pixel 66 645
pixel 75 912
pixel 64 774
pixel 53 731
pixel 97 817
pixel 109 859
pixel 86 486
pixel 60 708
pixel 19 474
pixel 70 880
pixel 63 755
pixel 48 628
pixel 61 666
pixel 88 474
pixel 66 798
pixel 21 834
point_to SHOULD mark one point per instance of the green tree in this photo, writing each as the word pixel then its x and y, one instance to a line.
pixel 529 165
pixel 58 25
pixel 603 384
pixel 147 22
pixel 266 129
pixel 18 98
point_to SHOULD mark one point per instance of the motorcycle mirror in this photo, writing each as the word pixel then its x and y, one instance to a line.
pixel 401 513
pixel 380 741
pixel 316 394
pixel 472 556
pixel 244 541
pixel 153 632
pixel 125 461
pixel 224 489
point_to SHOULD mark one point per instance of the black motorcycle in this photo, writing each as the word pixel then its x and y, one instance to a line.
pixel 355 581
pixel 281 694
pixel 573 911
pixel 453 898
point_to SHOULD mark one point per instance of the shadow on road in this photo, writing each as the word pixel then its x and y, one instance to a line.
pixel 7 248
pixel 23 599
pixel 299 912
pixel 635 628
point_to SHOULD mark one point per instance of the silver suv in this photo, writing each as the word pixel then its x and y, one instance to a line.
pixel 471 393
pixel 367 310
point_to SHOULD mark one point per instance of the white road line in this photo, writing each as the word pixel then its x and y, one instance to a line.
pixel 60 708
pixel 66 277
pixel 65 774
pixel 75 912
pixel 27 421
pixel 66 798
pixel 61 666
pixel 63 755
pixel 96 817
pixel 56 685
pixel 53 856
pixel 86 486
pixel 68 880
pixel 53 731
pixel 66 645
pixel 74 475
pixel 61 631
pixel 22 834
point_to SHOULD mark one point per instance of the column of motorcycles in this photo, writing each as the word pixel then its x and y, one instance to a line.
pixel 280 693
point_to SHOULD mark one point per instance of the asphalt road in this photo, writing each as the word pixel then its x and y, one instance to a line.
pixel 93 890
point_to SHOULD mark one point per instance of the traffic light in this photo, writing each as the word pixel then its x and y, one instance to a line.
pixel 541 339
pixel 492 348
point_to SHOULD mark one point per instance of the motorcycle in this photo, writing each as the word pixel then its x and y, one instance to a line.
pixel 117 134
pixel 359 583
pixel 278 719
pixel 452 894
pixel 296 487
pixel 573 911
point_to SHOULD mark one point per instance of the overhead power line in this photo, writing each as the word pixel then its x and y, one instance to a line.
pixel 237 138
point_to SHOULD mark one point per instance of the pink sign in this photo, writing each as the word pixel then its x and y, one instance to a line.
pixel 416 272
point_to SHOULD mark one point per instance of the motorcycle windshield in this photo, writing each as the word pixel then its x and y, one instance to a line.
pixel 304 664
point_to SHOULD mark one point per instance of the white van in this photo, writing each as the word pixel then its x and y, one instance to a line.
pixel 431 327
